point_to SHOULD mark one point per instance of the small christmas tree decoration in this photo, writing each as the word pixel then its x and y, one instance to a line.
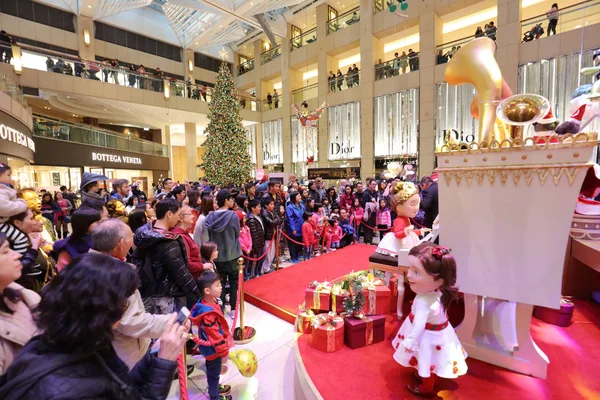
pixel 226 160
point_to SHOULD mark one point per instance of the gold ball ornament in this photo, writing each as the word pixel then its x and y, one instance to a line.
pixel 246 362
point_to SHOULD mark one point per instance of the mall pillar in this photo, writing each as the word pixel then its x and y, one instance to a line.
pixel 325 63
pixel 259 146
pixel 166 139
pixel 191 151
pixel 85 27
pixel 290 80
pixel 430 31
pixel 369 52
pixel 509 37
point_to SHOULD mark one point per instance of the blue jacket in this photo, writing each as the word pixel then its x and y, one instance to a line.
pixel 212 327
pixel 347 228
pixel 294 219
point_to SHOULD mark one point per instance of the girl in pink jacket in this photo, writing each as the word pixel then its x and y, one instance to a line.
pixel 333 235
pixel 356 217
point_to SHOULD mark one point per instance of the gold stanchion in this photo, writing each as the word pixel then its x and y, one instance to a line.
pixel 183 380
pixel 242 334
pixel 277 238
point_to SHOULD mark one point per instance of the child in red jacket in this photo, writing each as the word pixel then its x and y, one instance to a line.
pixel 308 235
pixel 212 327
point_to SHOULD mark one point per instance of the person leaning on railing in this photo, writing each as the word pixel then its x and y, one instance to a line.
pixel 552 15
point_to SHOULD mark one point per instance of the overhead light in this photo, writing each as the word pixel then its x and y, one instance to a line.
pixel 128 109
pixel 89 6
pixel 190 65
pixel 86 37
pixel 146 129
pixel 167 90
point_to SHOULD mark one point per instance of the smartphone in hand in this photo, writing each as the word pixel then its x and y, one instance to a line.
pixel 183 316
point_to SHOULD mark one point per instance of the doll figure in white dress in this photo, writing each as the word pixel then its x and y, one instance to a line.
pixel 404 198
pixel 426 341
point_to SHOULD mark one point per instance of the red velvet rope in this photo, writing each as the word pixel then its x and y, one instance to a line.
pixel 261 257
pixel 373 228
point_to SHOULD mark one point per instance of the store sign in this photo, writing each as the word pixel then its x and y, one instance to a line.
pixel 459 136
pixel 269 158
pixel 337 149
pixel 114 158
pixel 12 135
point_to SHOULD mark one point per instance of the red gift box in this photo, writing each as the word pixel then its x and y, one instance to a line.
pixel 361 332
pixel 393 294
pixel 328 332
pixel 338 295
pixel 304 320
pixel 317 296
pixel 376 300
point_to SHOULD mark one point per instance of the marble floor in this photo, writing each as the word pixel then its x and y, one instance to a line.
pixel 273 346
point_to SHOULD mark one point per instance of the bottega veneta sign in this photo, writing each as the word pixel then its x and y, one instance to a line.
pixel 13 135
pixel 116 158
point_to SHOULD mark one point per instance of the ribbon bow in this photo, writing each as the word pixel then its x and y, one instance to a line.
pixel 439 251
pixel 331 319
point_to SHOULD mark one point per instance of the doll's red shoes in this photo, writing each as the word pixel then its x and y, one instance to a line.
pixel 425 389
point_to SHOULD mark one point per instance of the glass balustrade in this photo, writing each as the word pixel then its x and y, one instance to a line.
pixel 305 93
pixel 57 129
pixel 270 55
pixel 307 37
pixel 14 91
pixel 568 18
pixel 343 21
pixel 344 81
pixel 47 60
pixel 246 67
pixel 397 66
pixel 272 103
pixel 249 103
pixel 444 52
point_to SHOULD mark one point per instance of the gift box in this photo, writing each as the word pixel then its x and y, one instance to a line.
pixel 327 332
pixel 338 295
pixel 364 331
pixel 304 319
pixel 376 300
pixel 317 296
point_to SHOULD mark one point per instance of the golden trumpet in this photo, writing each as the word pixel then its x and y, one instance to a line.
pixel 520 111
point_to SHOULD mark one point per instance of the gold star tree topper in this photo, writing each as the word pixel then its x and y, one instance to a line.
pixel 223 54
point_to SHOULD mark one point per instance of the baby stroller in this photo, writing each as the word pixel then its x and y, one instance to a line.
pixel 535 33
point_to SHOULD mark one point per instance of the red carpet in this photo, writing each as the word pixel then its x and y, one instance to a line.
pixel 280 292
pixel 371 373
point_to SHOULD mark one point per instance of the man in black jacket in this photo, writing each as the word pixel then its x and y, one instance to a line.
pixel 272 221
pixel 257 231
pixel 370 196
pixel 429 201
pixel 161 260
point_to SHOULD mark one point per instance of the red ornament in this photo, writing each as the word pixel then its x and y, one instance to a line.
pixel 455 363
pixel 413 361
pixel 401 337
pixel 431 368
pixel 455 370
pixel 438 347
pixel 397 346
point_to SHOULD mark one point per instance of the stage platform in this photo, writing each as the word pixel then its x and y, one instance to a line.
pixel 371 373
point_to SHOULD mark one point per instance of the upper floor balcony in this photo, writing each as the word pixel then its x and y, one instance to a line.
pixel 270 55
pixel 304 39
pixel 561 20
pixel 52 128
pixel 246 67
pixel 400 64
pixel 344 20
pixel 305 93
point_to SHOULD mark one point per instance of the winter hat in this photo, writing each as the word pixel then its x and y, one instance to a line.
pixel 9 204
pixel 240 214
pixel 548 119
pixel 591 183
pixel 573 123
pixel 88 178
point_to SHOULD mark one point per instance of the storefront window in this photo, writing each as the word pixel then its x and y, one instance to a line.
pixel 396 121
pixel 453 113
pixel 272 135
pixel 304 142
pixel 251 136
pixel 22 173
pixel 344 131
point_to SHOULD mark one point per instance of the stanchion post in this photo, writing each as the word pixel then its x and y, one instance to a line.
pixel 183 379
pixel 241 335
pixel 277 238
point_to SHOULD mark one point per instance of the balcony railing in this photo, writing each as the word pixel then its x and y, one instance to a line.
pixel 397 66
pixel 273 103
pixel 246 67
pixel 307 37
pixel 249 103
pixel 57 129
pixel 33 58
pixel 269 55
pixel 345 81
pixel 343 21
pixel 305 93
pixel 444 52
pixel 569 18
pixel 14 91
pixel 379 5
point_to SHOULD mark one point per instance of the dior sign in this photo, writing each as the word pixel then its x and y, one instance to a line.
pixel 271 158
pixel 116 158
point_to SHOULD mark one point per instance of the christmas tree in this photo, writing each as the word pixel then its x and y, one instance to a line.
pixel 226 160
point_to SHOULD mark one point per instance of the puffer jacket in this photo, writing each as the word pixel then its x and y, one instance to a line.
pixel 161 260
pixel 213 328
pixel 271 220
pixel 294 219
pixel 100 375
pixel 257 232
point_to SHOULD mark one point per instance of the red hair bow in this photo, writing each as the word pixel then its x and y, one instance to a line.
pixel 439 251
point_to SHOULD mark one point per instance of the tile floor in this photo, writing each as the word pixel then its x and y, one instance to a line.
pixel 274 379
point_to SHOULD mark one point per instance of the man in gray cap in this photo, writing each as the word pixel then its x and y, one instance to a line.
pixel 90 190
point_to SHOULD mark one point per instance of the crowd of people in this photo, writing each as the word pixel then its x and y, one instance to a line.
pixel 352 79
pixel 90 280
pixel 401 63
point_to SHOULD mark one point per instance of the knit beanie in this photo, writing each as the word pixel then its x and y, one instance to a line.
pixel 10 205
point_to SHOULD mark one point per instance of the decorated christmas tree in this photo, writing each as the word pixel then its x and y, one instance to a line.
pixel 226 160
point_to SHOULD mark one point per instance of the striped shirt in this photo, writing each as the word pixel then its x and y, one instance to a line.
pixel 19 241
